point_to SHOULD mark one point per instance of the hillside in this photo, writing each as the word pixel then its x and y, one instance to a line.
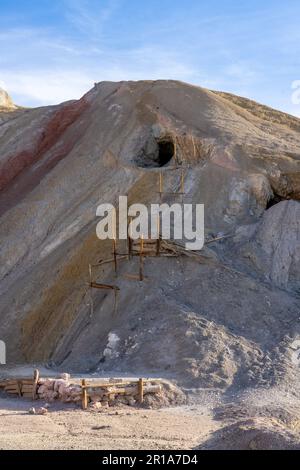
pixel 227 318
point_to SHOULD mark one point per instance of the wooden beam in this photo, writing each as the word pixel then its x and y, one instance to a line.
pixel 218 239
pixel 117 384
pixel 96 285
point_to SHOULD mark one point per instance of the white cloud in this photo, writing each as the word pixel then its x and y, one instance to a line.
pixel 45 87
pixel 88 16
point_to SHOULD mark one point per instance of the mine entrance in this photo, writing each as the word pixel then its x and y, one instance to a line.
pixel 156 153
pixel 166 152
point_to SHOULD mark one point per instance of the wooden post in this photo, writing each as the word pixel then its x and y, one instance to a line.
pixel 115 301
pixel 84 395
pixel 194 147
pixel 158 236
pixel 141 258
pixel 115 242
pixel 91 291
pixel 175 151
pixel 182 185
pixel 115 255
pixel 36 376
pixel 141 391
pixel 129 241
pixel 19 387
pixel 160 185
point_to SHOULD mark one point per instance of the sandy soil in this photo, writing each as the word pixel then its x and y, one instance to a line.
pixel 123 428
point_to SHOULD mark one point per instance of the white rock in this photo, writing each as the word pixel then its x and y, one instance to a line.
pixel 41 411
pixel 65 377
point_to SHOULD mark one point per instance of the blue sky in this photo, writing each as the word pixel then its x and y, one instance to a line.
pixel 51 51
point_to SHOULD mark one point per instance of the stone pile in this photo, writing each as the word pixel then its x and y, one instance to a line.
pixel 113 393
pixel 59 389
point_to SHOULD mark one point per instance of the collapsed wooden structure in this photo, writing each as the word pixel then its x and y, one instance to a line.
pixel 137 388
pixel 22 386
pixel 108 391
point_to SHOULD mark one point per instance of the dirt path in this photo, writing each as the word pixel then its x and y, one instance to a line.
pixel 122 428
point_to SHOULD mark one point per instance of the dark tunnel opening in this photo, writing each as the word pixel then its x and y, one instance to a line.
pixel 156 153
pixel 166 151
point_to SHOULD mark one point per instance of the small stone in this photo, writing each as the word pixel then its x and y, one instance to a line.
pixel 96 405
pixel 41 411
pixel 31 411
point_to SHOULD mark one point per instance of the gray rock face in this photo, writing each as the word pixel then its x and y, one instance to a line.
pixel 275 246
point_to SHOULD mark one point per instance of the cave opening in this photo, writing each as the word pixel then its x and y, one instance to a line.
pixel 166 150
pixel 156 153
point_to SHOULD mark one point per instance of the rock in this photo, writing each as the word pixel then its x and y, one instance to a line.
pixel 96 405
pixel 274 248
pixel 41 411
pixel 131 401
pixel 65 377
pixel 47 383
pixel 32 411
pixel 42 389
pixel 60 386
pixel 5 100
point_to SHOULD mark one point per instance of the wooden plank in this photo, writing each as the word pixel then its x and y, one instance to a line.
pixel 11 382
pixel 126 390
pixel 147 241
pixel 132 277
pixel 218 239
pixel 27 395
pixel 96 285
pixel 11 387
pixel 27 382
pixel 146 249
pixel 113 384
pixel 106 384
pixel 27 388
pixel 120 257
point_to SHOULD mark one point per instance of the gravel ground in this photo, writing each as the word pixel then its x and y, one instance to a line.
pixel 66 427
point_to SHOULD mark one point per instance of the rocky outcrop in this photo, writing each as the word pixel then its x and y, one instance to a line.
pixel 275 247
pixel 5 100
